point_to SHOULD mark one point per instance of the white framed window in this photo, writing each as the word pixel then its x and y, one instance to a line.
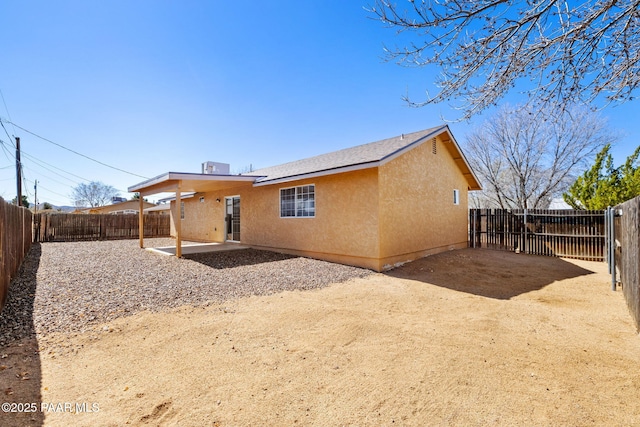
pixel 202 199
pixel 456 197
pixel 298 201
pixel 126 211
pixel 181 210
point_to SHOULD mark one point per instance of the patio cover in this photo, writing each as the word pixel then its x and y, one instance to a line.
pixel 179 182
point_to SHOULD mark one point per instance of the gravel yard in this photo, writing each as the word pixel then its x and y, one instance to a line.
pixel 469 338
pixel 84 283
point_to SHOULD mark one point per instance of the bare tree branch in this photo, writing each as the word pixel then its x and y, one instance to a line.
pixel 93 194
pixel 571 53
pixel 525 156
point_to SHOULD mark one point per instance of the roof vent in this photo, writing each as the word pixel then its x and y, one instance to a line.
pixel 215 168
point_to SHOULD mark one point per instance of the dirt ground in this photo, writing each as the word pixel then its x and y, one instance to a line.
pixel 470 337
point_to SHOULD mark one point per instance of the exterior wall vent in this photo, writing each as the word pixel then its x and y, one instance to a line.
pixel 215 168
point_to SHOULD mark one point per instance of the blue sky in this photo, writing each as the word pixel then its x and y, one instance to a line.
pixel 157 86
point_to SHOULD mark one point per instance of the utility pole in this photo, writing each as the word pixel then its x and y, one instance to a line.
pixel 18 173
pixel 35 197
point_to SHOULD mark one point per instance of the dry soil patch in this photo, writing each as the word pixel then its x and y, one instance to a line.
pixel 469 337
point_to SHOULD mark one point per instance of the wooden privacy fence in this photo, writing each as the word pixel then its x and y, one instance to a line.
pixel 562 233
pixel 78 227
pixel 15 241
pixel 626 222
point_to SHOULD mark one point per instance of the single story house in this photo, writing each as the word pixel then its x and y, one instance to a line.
pixel 376 205
pixel 161 209
pixel 127 207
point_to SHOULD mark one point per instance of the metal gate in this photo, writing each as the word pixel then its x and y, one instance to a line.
pixel 562 233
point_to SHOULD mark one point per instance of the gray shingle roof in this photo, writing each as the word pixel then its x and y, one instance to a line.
pixel 359 155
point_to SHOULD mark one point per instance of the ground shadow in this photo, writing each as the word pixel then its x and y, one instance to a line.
pixel 236 258
pixel 489 273
pixel 20 366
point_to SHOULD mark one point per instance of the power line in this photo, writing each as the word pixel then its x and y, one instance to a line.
pixel 25 187
pixel 9 136
pixel 7 153
pixel 45 188
pixel 23 167
pixel 38 161
pixel 48 177
pixel 72 151
pixel 8 114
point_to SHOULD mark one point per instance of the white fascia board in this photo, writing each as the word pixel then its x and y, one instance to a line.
pixel 317 174
pixel 152 181
pixel 177 176
pixel 210 177
pixel 464 158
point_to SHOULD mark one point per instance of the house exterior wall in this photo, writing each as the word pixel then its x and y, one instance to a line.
pixel 345 226
pixel 373 218
pixel 344 229
pixel 417 213
pixel 204 215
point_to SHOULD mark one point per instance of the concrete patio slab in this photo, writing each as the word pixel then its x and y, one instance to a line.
pixel 196 248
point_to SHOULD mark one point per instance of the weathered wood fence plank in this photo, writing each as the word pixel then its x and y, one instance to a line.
pixel 80 227
pixel 627 253
pixel 15 242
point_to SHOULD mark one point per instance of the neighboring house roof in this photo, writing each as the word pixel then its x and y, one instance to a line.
pixel 159 208
pixel 360 157
pixel 167 200
pixel 558 203
pixel 122 206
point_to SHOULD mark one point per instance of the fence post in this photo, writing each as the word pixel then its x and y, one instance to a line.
pixel 611 244
pixel 473 227
pixel 525 232
pixel 470 228
pixel 605 250
pixel 103 227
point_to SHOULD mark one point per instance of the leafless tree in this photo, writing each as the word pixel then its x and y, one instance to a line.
pixel 524 156
pixel 571 53
pixel 93 194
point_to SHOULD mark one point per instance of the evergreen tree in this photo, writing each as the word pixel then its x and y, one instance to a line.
pixel 25 201
pixel 604 185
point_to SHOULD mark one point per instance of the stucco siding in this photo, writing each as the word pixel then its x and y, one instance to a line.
pixel 204 221
pixel 345 221
pixel 417 213
pixel 344 229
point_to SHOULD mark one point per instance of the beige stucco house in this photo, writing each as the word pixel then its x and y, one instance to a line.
pixel 162 209
pixel 127 207
pixel 374 205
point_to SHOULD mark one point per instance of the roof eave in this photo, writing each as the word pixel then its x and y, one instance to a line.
pixel 167 182
pixel 472 180
pixel 333 171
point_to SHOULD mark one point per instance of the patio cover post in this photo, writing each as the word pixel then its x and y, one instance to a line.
pixel 141 221
pixel 178 221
